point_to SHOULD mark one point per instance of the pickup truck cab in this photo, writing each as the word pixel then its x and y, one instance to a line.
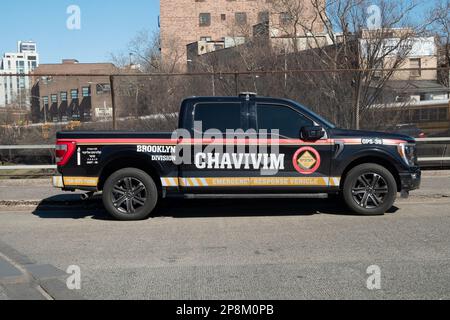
pixel 234 146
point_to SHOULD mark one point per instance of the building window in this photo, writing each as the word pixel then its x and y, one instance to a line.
pixel 207 39
pixel 378 69
pixel 424 114
pixel 45 101
pixel 415 64
pixel 63 96
pixel 285 18
pixel 21 83
pixel 223 17
pixel 263 17
pixel 241 18
pixel 443 114
pixel 205 19
pixel 74 94
pixel 102 88
pixel 86 91
pixel 54 98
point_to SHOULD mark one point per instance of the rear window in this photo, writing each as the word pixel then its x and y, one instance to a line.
pixel 221 116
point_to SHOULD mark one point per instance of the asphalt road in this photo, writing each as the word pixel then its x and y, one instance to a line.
pixel 229 249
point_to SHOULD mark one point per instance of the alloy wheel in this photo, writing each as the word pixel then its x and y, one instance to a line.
pixel 129 195
pixel 370 190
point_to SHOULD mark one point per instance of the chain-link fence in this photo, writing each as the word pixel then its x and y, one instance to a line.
pixel 410 101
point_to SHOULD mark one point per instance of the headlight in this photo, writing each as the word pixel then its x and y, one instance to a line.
pixel 409 154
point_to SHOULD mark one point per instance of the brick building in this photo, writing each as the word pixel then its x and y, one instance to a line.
pixel 186 21
pixel 71 98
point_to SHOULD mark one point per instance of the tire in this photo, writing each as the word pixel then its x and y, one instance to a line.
pixel 130 194
pixel 370 189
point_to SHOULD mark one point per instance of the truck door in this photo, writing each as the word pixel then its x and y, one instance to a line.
pixel 208 172
pixel 307 164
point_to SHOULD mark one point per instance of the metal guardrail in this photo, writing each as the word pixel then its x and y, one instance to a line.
pixel 439 154
pixel 28 167
pixel 434 152
pixel 27 147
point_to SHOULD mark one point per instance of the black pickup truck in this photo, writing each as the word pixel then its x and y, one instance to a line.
pixel 245 145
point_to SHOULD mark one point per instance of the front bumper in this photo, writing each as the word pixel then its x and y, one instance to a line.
pixel 411 180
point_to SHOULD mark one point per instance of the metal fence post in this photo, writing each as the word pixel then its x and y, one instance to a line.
pixel 113 102
pixel 236 76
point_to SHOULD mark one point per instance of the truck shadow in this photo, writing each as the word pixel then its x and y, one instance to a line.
pixel 208 208
pixel 59 207
pixel 70 206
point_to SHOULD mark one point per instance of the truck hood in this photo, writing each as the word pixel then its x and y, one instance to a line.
pixel 343 133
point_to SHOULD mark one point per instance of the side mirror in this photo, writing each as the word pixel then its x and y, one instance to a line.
pixel 312 133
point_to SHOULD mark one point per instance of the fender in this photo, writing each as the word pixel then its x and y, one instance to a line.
pixel 143 159
pixel 345 159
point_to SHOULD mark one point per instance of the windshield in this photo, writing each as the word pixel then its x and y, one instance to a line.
pixel 321 119
pixel 325 121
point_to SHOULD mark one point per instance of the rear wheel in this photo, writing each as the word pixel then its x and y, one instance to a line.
pixel 130 194
pixel 370 189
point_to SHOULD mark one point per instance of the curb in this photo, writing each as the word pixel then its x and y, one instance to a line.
pixel 47 203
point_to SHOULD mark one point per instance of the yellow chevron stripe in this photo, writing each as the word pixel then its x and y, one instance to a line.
pixel 252 182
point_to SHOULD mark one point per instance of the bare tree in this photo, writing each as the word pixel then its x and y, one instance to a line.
pixel 440 23
pixel 354 58
pixel 355 42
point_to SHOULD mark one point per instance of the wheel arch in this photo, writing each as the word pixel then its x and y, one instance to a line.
pixel 376 159
pixel 130 161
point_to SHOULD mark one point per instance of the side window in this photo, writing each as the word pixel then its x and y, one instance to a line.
pixel 221 116
pixel 286 120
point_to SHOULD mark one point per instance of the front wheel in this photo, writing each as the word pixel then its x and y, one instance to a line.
pixel 130 194
pixel 370 189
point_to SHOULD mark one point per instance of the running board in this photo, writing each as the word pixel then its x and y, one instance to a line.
pixel 251 196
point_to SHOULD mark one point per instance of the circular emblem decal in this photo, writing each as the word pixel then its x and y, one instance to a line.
pixel 306 160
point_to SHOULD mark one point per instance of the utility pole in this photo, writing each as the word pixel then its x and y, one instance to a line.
pixel 358 102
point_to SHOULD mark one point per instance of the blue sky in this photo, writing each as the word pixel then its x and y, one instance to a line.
pixel 106 27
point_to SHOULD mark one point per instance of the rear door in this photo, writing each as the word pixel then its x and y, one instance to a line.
pixel 208 171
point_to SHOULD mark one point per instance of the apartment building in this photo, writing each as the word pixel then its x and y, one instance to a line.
pixel 187 21
pixel 14 90
pixel 82 96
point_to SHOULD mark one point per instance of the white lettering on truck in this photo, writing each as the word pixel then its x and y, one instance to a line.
pixel 239 161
